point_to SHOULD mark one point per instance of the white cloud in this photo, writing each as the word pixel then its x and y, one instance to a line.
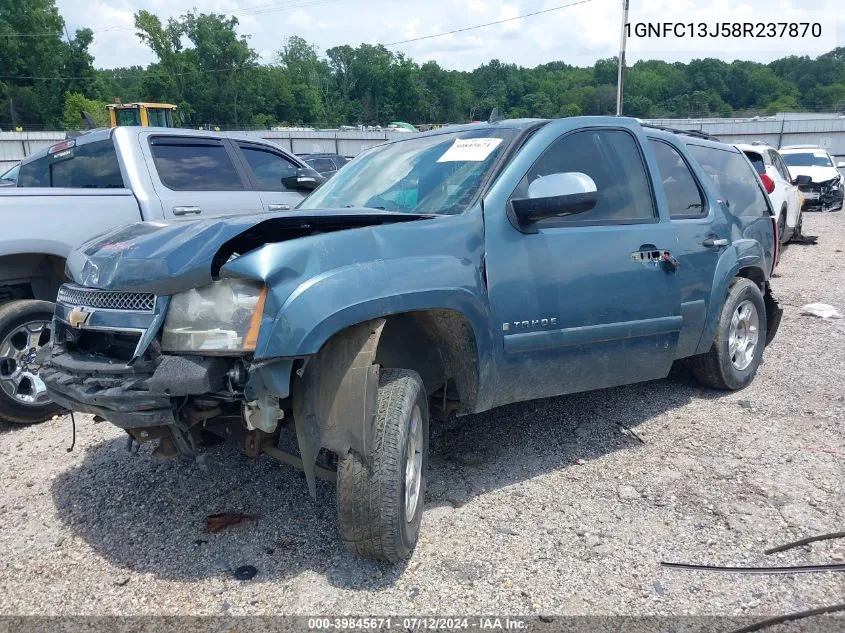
pixel 577 35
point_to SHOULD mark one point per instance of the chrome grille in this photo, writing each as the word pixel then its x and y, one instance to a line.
pixel 107 299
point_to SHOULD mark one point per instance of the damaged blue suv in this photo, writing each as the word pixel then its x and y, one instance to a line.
pixel 452 271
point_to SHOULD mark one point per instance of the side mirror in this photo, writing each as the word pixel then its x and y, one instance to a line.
pixel 305 179
pixel 554 196
pixel 803 181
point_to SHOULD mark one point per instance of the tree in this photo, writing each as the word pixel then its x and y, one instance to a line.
pixel 76 104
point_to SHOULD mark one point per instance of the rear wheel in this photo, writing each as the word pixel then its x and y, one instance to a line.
pixel 737 349
pixel 380 508
pixel 25 327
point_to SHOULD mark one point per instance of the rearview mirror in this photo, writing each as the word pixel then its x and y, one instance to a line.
pixel 305 179
pixel 554 196
pixel 802 180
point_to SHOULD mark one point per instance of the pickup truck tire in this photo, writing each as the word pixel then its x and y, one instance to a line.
pixel 380 507
pixel 24 328
pixel 737 349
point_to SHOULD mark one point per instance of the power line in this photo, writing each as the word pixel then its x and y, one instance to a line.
pixel 481 26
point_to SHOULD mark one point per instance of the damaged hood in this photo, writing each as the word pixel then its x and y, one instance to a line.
pixel 169 257
pixel 818 174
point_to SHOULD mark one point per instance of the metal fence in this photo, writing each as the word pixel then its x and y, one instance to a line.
pixel 15 146
pixel 825 130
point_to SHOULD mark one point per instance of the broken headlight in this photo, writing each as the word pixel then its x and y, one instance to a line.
pixel 223 316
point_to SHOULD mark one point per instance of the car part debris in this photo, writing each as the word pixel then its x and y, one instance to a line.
pixel 246 572
pixel 790 617
pixel 216 522
pixel 821 310
pixel 798 569
pixel 73 431
pixel 805 541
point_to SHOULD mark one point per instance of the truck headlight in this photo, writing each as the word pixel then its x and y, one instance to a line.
pixel 223 316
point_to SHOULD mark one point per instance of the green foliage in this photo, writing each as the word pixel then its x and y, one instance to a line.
pixel 75 104
pixel 210 70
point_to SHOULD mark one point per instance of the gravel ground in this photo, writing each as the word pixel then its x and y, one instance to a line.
pixel 544 507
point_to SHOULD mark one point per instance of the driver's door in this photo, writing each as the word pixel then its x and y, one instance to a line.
pixel 266 169
pixel 584 301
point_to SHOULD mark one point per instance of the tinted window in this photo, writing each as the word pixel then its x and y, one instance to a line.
pixel 129 116
pixel 321 164
pixel 783 170
pixel 157 117
pixel 11 175
pixel 735 180
pixel 89 166
pixel 612 159
pixel 194 165
pixel 682 192
pixel 757 161
pixel 268 167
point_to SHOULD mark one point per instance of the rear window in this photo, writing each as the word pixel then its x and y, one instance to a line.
pixel 194 165
pixel 736 181
pixel 88 166
pixel 757 161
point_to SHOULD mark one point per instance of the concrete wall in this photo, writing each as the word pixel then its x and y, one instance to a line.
pixel 17 145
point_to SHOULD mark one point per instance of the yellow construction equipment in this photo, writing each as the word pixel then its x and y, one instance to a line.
pixel 141 114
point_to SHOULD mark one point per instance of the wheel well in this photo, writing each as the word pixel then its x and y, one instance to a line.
pixel 440 346
pixel 754 274
pixel 31 276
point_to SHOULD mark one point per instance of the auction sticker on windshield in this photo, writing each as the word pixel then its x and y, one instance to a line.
pixel 470 149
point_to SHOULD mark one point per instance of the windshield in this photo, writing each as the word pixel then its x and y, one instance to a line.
pixel 808 159
pixel 438 174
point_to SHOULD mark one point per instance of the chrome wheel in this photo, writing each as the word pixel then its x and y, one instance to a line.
pixel 744 335
pixel 18 366
pixel 413 465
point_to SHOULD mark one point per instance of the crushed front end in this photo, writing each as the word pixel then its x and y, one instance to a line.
pixel 163 368
pixel 823 196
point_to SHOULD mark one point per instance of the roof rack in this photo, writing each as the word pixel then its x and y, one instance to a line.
pixel 694 133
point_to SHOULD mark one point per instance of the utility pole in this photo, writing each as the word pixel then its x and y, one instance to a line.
pixel 620 74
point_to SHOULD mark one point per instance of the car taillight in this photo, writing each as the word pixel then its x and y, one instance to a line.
pixel 768 183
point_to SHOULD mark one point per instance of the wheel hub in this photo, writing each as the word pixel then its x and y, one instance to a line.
pixel 744 335
pixel 19 366
pixel 413 465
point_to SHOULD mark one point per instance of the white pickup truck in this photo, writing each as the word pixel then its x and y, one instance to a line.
pixel 103 179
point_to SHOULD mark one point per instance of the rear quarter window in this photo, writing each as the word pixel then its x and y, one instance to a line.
pixel 735 180
pixel 757 161
pixel 88 166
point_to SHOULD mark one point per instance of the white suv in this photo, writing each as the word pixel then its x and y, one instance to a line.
pixel 824 191
pixel 780 185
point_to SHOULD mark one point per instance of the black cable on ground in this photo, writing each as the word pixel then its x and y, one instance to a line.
pixel 800 569
pixel 790 617
pixel 805 541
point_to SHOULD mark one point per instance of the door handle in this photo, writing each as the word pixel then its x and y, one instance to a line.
pixel 186 210
pixel 278 207
pixel 712 242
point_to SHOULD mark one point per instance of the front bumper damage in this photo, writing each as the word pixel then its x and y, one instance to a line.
pixel 823 196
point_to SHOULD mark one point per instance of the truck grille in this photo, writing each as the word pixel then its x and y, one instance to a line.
pixel 107 299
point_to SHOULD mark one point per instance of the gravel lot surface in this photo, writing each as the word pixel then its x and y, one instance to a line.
pixel 545 507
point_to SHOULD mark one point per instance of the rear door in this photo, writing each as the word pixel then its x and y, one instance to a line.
pixel 700 239
pixel 197 176
pixel 266 168
pixel 583 302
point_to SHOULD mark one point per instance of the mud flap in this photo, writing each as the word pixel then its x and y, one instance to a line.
pixel 335 402
pixel 774 313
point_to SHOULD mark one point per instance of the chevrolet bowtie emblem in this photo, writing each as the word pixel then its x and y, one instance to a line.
pixel 78 317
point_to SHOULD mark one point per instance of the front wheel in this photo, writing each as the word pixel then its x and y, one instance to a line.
pixel 24 329
pixel 380 507
pixel 737 349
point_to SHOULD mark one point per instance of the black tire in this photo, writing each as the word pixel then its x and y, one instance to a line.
pixel 782 226
pixel 716 369
pixel 12 316
pixel 371 502
pixel 799 225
